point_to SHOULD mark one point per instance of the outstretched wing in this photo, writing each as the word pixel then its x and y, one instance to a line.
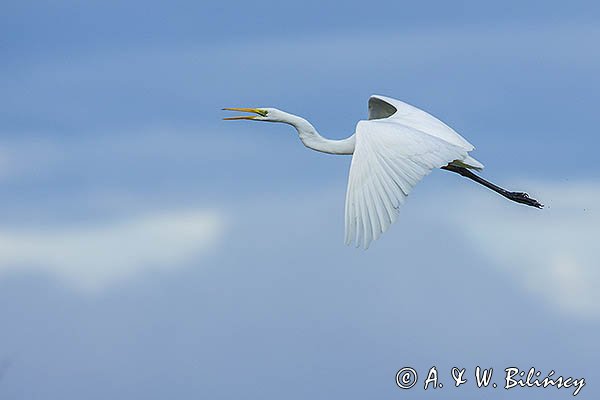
pixel 388 161
pixel 396 110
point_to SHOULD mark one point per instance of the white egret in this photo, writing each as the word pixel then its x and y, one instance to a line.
pixel 393 150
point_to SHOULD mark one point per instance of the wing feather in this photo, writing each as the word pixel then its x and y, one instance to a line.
pixel 389 160
pixel 386 107
pixel 382 107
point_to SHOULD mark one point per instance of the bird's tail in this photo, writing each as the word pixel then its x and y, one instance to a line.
pixel 469 162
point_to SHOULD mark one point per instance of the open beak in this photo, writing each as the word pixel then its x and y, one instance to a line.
pixel 249 110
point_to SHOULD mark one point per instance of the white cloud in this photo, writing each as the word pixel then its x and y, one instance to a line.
pixel 91 258
pixel 553 253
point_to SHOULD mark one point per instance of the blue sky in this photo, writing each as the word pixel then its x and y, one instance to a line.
pixel 149 249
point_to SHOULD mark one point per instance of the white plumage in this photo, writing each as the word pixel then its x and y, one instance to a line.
pixel 392 151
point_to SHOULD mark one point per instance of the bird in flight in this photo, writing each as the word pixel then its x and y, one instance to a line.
pixel 391 152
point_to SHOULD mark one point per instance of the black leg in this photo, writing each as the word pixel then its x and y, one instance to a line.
pixel 518 197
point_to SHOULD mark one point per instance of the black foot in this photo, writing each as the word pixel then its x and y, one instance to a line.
pixel 524 198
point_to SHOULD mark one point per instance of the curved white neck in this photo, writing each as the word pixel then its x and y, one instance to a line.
pixel 311 138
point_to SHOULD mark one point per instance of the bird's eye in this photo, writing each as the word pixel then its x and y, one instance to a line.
pixel 263 113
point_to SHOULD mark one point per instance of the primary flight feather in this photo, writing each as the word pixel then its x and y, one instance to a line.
pixel 392 151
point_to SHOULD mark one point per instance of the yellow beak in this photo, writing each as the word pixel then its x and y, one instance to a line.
pixel 249 110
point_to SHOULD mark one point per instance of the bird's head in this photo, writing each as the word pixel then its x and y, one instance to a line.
pixel 261 114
